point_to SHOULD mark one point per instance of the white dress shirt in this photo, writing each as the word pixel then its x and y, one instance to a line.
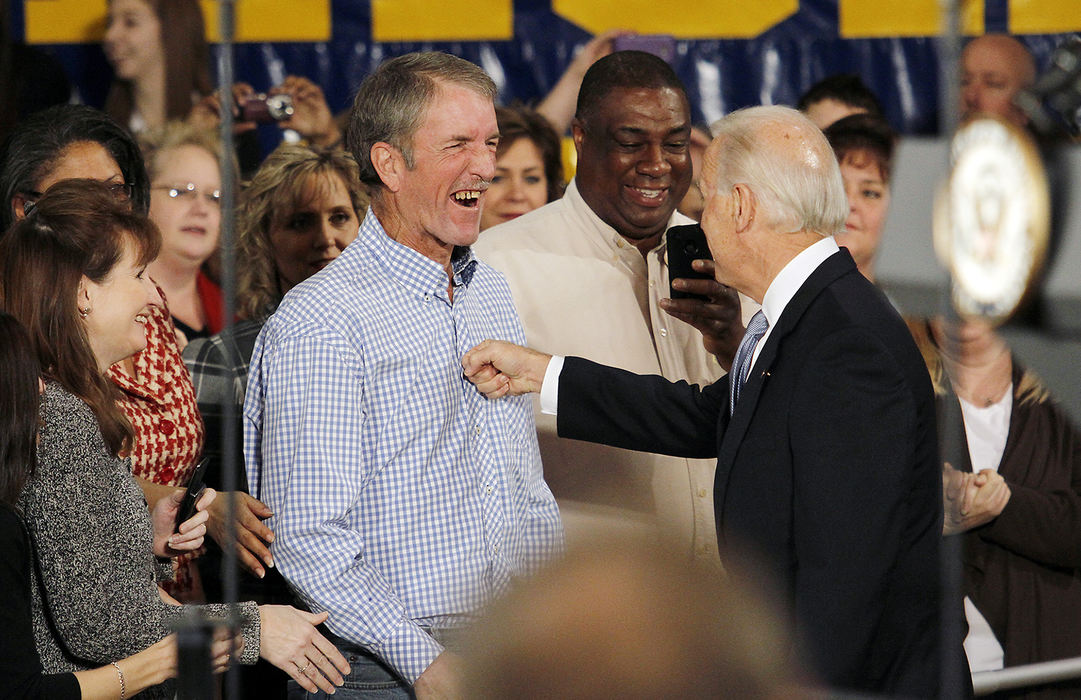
pixel 780 291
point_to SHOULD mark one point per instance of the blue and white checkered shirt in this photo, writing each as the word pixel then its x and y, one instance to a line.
pixel 402 497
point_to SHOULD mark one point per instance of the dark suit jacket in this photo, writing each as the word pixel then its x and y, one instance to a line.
pixel 828 472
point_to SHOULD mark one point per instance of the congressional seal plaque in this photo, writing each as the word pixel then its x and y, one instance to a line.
pixel 992 218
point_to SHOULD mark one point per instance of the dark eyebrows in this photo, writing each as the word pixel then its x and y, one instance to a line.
pixel 635 131
pixel 681 129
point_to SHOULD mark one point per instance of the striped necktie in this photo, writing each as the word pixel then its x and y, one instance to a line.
pixel 742 364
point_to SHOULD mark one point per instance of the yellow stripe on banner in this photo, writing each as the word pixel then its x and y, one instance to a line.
pixel 686 20
pixel 273 20
pixel 860 19
pixel 1045 16
pixel 64 21
pixel 432 20
pixel 83 21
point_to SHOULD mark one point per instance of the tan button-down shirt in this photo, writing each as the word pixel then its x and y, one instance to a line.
pixel 582 289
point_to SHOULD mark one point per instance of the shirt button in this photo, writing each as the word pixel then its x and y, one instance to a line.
pixel 664 332
pixel 476 429
pixel 652 284
pixel 701 493
pixel 488 490
pixel 427 298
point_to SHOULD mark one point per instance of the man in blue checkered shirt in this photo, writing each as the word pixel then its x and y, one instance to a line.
pixel 402 498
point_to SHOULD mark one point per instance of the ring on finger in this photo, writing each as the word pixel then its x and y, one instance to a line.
pixel 303 668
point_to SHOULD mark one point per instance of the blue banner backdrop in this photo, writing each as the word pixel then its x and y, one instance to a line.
pixel 775 66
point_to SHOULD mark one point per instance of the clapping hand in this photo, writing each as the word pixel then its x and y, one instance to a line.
pixel 971 500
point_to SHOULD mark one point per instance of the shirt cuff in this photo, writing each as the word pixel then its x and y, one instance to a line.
pixel 549 393
pixel 409 650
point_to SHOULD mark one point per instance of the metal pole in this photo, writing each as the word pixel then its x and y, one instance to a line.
pixel 988 682
pixel 953 669
pixel 229 435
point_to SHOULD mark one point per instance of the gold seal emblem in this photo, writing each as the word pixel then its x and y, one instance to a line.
pixel 992 218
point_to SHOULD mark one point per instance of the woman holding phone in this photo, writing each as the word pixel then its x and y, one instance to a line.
pixel 73 273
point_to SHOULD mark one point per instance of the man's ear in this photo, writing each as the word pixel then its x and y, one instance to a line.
pixel 578 132
pixel 389 164
pixel 744 205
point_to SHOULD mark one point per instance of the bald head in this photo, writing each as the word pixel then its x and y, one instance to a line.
pixel 773 188
pixel 584 628
pixel 994 68
pixel 788 164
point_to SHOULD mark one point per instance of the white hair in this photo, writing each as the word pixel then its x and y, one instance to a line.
pixel 795 178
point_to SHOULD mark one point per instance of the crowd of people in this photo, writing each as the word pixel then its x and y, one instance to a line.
pixel 726 484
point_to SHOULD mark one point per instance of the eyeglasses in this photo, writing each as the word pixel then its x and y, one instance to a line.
pixel 121 191
pixel 188 193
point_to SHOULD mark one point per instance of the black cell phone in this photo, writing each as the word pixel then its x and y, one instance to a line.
pixel 196 487
pixel 663 45
pixel 685 245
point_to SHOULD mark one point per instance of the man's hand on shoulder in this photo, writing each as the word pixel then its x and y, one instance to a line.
pixel 499 368
pixel 718 319
pixel 442 680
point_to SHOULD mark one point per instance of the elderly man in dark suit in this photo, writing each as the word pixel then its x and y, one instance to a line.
pixel 827 461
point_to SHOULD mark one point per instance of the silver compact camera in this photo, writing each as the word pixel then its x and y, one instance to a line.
pixel 265 109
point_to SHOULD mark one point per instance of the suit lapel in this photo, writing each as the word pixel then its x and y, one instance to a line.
pixel 831 268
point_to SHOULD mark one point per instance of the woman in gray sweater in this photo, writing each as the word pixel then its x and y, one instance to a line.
pixel 74 274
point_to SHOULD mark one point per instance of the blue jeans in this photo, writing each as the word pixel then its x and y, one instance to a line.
pixel 370 678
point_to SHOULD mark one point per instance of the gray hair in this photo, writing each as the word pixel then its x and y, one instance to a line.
pixel 797 183
pixel 392 103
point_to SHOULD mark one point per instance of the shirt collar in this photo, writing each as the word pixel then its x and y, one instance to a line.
pixel 414 270
pixel 792 276
pixel 605 232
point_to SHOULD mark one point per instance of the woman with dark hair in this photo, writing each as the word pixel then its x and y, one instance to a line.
pixel 159 51
pixel 73 272
pixel 528 166
pixel 863 144
pixel 53 143
pixel 20 666
pixel 73 141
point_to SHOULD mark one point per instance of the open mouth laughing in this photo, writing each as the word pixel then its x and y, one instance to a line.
pixel 467 198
